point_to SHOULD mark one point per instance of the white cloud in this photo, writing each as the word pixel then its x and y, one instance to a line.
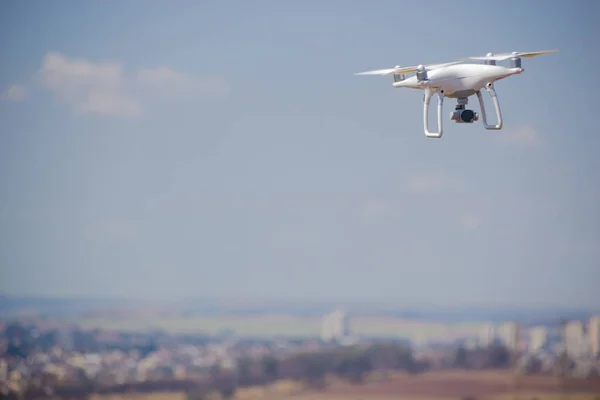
pixel 87 87
pixel 104 88
pixel 15 93
pixel 525 136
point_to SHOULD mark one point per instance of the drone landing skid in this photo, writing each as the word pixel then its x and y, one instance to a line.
pixel 426 100
pixel 492 93
pixel 429 92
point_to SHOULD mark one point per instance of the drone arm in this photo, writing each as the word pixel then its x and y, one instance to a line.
pixel 426 100
pixel 492 92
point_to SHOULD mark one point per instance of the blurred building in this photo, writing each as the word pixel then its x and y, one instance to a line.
pixel 509 335
pixel 574 333
pixel 335 326
pixel 538 338
pixel 488 335
pixel 3 371
pixel 594 336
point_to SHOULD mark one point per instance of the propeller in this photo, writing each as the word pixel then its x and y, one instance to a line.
pixel 506 56
pixel 406 70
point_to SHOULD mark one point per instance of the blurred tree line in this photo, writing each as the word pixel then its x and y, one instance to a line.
pixel 495 356
pixel 351 364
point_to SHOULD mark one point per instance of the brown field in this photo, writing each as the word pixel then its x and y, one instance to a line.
pixel 494 385
pixel 454 385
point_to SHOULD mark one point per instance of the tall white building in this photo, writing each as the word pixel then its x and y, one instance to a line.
pixel 538 337
pixel 488 335
pixel 334 326
pixel 574 334
pixel 594 335
pixel 509 334
pixel 3 371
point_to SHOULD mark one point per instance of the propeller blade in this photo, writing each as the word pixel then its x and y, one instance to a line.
pixel 536 53
pixel 431 67
pixel 406 70
pixel 378 72
pixel 506 56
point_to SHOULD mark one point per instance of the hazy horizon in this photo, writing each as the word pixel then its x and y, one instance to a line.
pixel 292 304
pixel 155 151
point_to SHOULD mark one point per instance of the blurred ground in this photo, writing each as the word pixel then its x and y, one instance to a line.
pixel 494 385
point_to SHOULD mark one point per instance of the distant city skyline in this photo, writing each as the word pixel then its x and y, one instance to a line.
pixel 151 151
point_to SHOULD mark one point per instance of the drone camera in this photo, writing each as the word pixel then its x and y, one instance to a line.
pixel 468 116
pixel 464 116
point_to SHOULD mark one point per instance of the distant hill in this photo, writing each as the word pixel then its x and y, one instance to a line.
pixel 47 306
pixel 11 306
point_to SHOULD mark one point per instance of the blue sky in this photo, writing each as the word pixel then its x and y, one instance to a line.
pixel 150 149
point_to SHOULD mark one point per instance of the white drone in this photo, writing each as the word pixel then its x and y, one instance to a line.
pixel 459 82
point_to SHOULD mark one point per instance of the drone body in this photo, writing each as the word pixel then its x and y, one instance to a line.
pixel 459 81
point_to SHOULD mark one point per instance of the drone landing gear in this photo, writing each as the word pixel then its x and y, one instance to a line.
pixel 426 100
pixel 460 114
pixel 490 89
